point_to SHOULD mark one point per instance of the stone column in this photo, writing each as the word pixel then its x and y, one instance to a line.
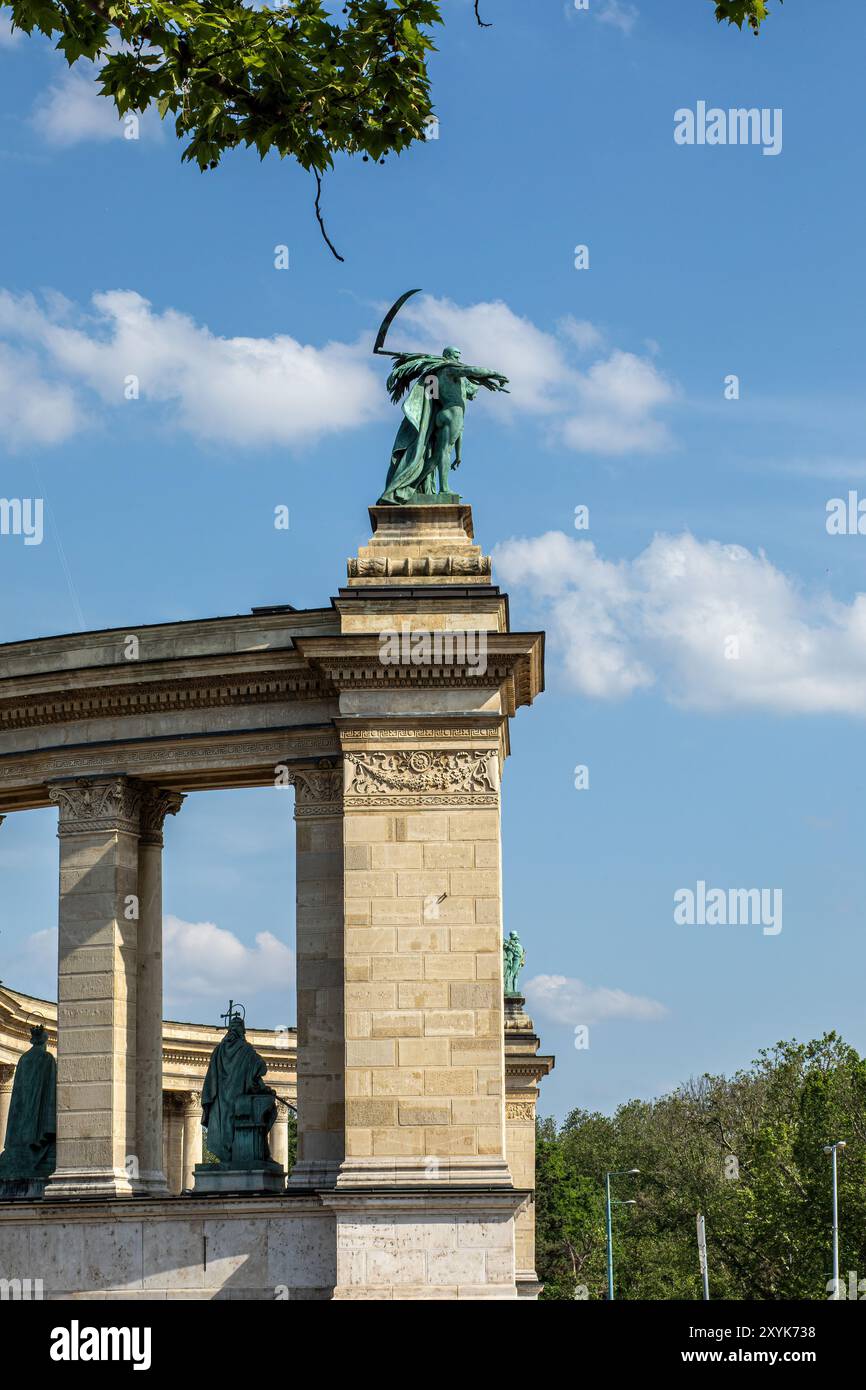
pixel 279 1137
pixel 173 1118
pixel 156 804
pixel 319 919
pixel 97 987
pixel 192 1141
pixel 7 1076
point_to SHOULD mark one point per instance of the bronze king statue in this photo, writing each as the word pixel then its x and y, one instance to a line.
pixel 238 1114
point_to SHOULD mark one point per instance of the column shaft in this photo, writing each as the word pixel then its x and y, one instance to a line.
pixel 320 936
pixel 7 1077
pixel 97 987
pixel 156 805
pixel 192 1139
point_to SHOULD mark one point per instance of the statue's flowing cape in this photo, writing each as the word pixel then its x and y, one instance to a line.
pixel 409 455
pixel 235 1069
pixel 31 1127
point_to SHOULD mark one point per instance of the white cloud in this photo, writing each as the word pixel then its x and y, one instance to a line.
pixel 618 13
pixel 618 397
pixel 243 391
pixel 33 409
pixel 203 961
pixel 573 1002
pixel 72 110
pixel 583 334
pixel 713 626
pixel 607 409
pixel 254 391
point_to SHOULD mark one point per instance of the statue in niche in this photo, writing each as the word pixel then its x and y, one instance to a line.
pixel 30 1154
pixel 513 961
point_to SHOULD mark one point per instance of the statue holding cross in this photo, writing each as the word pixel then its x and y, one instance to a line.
pixel 238 1109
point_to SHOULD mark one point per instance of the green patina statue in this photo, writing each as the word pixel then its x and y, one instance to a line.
pixel 433 417
pixel 513 961
pixel 238 1109
pixel 31 1127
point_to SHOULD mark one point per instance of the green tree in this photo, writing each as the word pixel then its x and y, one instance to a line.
pixel 747 1152
pixel 307 79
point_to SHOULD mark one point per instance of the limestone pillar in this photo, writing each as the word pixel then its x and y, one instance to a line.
pixel 156 804
pixel 192 1137
pixel 98 828
pixel 7 1076
pixel 427 675
pixel 279 1138
pixel 173 1119
pixel 320 996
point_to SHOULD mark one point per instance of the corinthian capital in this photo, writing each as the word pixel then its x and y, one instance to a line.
pixel 156 804
pixel 97 803
pixel 318 789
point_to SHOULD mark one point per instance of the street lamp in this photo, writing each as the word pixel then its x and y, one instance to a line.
pixel 833 1149
pixel 616 1173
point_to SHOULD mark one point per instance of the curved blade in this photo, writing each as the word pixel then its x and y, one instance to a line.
pixel 389 319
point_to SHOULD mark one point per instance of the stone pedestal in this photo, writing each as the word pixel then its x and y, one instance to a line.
pixel 212 1178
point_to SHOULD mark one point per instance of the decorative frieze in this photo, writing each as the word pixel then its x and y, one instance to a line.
pixel 160 697
pixel 519 1110
pixel 466 776
pixel 418 566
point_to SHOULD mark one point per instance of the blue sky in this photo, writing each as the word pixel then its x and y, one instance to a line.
pixel 707 515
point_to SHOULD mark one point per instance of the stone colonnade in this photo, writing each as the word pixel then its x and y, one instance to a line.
pixel 397 763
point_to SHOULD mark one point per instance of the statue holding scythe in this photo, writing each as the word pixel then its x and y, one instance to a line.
pixel 433 417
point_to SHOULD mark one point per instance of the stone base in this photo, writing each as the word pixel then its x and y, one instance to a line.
pixel 425 499
pixel 265 1248
pixel 431 1245
pixel 91 1182
pixel 22 1189
pixel 427 543
pixel 406 1171
pixel 214 1178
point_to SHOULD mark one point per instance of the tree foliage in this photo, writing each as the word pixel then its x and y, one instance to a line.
pixel 740 12
pixel 747 1152
pixel 308 79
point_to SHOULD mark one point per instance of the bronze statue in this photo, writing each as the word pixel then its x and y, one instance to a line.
pixel 31 1127
pixel 434 414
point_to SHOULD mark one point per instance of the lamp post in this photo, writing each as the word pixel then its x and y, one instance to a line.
pixel 616 1173
pixel 833 1149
